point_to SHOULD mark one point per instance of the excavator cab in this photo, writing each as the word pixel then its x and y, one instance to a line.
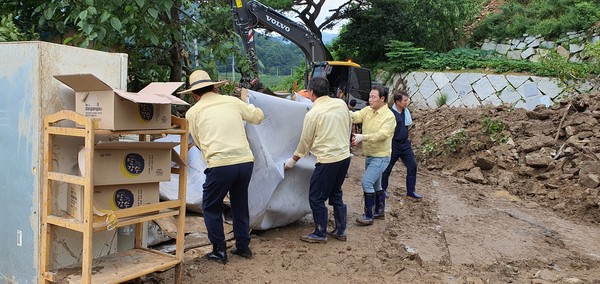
pixel 347 80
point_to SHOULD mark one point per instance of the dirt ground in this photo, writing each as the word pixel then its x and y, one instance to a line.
pixel 510 196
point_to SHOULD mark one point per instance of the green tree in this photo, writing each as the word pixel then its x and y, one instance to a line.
pixel 158 35
pixel 430 24
pixel 403 56
pixel 277 57
pixel 8 30
pixel 23 19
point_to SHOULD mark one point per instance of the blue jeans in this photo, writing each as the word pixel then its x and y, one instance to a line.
pixel 374 167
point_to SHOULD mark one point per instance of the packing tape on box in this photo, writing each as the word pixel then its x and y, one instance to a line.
pixel 111 219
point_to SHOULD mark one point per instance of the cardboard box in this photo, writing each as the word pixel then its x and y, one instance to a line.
pixel 131 162
pixel 113 197
pixel 116 109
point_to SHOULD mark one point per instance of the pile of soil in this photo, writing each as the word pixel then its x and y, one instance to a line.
pixel 549 155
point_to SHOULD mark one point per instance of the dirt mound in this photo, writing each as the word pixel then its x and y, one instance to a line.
pixel 549 155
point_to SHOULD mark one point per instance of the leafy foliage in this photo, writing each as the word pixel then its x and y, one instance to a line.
pixel 277 57
pixel 403 56
pixel 430 24
pixel 427 148
pixel 296 80
pixel 496 130
pixel 8 30
pixel 441 100
pixel 163 38
pixel 552 65
pixel 456 140
pixel 540 17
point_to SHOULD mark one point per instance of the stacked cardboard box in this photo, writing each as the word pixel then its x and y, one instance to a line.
pixel 125 174
pixel 116 109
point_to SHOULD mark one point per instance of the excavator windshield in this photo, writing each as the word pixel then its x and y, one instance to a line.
pixel 347 80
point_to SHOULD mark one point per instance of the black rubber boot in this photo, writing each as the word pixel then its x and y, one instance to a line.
pixel 379 205
pixel 218 254
pixel 320 233
pixel 340 216
pixel 245 253
pixel 411 182
pixel 367 218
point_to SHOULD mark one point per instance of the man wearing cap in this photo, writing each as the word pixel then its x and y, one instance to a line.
pixel 325 134
pixel 217 127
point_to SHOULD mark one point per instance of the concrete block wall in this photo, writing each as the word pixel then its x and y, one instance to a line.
pixel 476 89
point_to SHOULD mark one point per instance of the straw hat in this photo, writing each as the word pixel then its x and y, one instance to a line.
pixel 200 79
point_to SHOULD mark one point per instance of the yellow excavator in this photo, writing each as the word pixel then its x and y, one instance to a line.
pixel 348 80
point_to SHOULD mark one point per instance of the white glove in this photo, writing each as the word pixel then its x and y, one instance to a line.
pixel 289 163
pixel 358 138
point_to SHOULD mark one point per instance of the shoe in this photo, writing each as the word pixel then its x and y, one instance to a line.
pixel 247 253
pixel 219 254
pixel 312 238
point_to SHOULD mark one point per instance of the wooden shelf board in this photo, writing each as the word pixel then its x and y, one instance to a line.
pixel 66 131
pixel 118 267
pixel 138 219
pixel 139 132
pixel 66 178
pixel 67 221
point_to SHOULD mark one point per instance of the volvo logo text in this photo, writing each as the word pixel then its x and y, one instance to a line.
pixel 278 24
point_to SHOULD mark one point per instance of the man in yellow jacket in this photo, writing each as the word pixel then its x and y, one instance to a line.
pixel 217 127
pixel 378 124
pixel 325 134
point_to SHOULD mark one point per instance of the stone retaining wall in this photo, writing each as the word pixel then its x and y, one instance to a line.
pixel 476 89
pixel 532 48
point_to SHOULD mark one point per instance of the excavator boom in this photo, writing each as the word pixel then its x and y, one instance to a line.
pixel 248 15
pixel 347 80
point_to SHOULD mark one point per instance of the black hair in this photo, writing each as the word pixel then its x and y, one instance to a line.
pixel 352 103
pixel 204 90
pixel 382 92
pixel 319 86
pixel 399 94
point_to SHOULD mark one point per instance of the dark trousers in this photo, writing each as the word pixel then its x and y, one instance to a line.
pixel 326 183
pixel 404 152
pixel 220 180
